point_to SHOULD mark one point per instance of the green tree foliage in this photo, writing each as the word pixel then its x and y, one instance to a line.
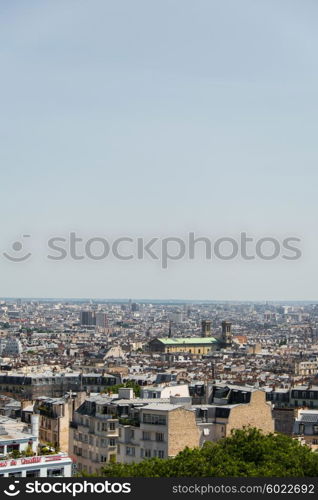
pixel 245 453
pixel 129 384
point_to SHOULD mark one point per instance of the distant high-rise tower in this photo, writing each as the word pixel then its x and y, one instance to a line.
pixel 227 333
pixel 87 318
pixel 206 328
pixel 101 319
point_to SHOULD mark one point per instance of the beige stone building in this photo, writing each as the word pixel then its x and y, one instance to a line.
pixel 126 429
pixel 55 415
pixel 193 345
pixel 164 430
pixel 94 434
pixel 234 407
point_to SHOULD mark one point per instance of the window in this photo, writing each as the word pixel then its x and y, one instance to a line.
pixel 15 474
pixel 112 426
pixel 161 454
pixel 142 452
pixel 147 453
pixel 160 436
pixel 112 442
pixel 315 429
pixel 146 436
pixel 132 434
pixel 130 452
pixel 33 473
pixel 103 458
pixel 12 447
pixel 149 418
pixel 58 472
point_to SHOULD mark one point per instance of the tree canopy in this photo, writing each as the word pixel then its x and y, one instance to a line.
pixel 129 384
pixel 247 452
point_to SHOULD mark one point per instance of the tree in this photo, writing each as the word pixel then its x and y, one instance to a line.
pixel 247 452
pixel 129 384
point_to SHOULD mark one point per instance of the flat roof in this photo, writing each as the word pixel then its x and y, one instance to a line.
pixel 161 407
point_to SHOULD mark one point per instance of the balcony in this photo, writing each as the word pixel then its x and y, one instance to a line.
pixel 129 421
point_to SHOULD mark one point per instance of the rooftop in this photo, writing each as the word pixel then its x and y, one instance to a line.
pixel 190 340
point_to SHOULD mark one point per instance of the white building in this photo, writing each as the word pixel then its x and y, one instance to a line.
pixel 39 466
pixel 10 347
pixel 164 391
pixel 18 437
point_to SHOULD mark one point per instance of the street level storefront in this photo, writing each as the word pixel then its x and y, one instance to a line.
pixel 59 465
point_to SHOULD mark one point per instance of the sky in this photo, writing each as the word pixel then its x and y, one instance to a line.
pixel 153 119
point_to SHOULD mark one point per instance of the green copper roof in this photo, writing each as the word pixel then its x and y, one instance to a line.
pixel 190 341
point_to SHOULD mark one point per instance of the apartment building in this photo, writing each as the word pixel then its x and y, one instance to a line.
pixel 55 417
pixel 127 429
pixel 164 391
pixel 55 385
pixel 163 430
pixel 305 396
pixel 233 407
pixel 19 439
pixel 306 427
pixel 17 436
pixel 94 434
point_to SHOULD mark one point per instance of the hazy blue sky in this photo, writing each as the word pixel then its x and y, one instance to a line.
pixel 147 118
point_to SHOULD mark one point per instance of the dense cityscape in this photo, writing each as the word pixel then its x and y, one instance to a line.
pixel 89 383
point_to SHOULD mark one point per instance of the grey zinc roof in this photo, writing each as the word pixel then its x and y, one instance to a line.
pixel 162 407
pixel 309 418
